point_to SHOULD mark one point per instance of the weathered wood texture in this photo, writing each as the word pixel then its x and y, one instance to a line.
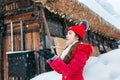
pixel 1 58
pixel 12 6
pixel 25 16
pixel 60 45
pixel 95 51
pixel 31 43
pixel 30 34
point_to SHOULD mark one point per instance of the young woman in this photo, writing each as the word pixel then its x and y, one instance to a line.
pixel 73 59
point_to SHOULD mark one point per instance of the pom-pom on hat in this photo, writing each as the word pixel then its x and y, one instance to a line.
pixel 80 30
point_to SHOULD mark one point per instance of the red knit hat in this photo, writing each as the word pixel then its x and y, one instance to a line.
pixel 80 30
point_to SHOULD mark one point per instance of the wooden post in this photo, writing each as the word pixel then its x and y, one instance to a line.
pixel 1 56
pixel 12 44
pixel 47 29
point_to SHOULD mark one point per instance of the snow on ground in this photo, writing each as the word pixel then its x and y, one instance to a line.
pixel 103 67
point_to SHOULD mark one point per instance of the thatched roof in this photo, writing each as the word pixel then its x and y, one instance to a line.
pixel 76 11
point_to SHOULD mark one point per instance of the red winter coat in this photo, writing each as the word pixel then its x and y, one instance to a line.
pixel 73 70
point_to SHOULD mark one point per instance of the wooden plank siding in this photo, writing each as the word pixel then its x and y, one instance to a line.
pixel 31 36
pixel 31 43
pixel 31 30
pixel 1 56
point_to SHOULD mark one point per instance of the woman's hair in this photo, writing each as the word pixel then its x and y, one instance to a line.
pixel 69 55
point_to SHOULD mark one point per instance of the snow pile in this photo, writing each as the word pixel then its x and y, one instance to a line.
pixel 103 67
pixel 52 75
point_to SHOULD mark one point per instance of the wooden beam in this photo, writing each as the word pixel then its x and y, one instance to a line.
pixel 27 28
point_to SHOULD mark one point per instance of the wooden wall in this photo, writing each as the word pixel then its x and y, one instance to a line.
pixel 30 35
pixel 0 55
pixel 31 42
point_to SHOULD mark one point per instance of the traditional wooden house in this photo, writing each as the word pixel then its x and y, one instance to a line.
pixel 22 31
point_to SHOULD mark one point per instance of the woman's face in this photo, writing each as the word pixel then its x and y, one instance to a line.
pixel 71 37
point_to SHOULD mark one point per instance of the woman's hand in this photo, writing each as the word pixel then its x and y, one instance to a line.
pixel 47 54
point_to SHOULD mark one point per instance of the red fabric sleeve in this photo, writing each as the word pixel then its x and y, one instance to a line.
pixel 77 62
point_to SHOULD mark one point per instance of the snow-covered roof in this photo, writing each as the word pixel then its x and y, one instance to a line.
pixel 77 10
pixel 98 9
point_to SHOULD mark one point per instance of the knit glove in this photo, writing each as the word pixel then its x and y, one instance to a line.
pixel 47 54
